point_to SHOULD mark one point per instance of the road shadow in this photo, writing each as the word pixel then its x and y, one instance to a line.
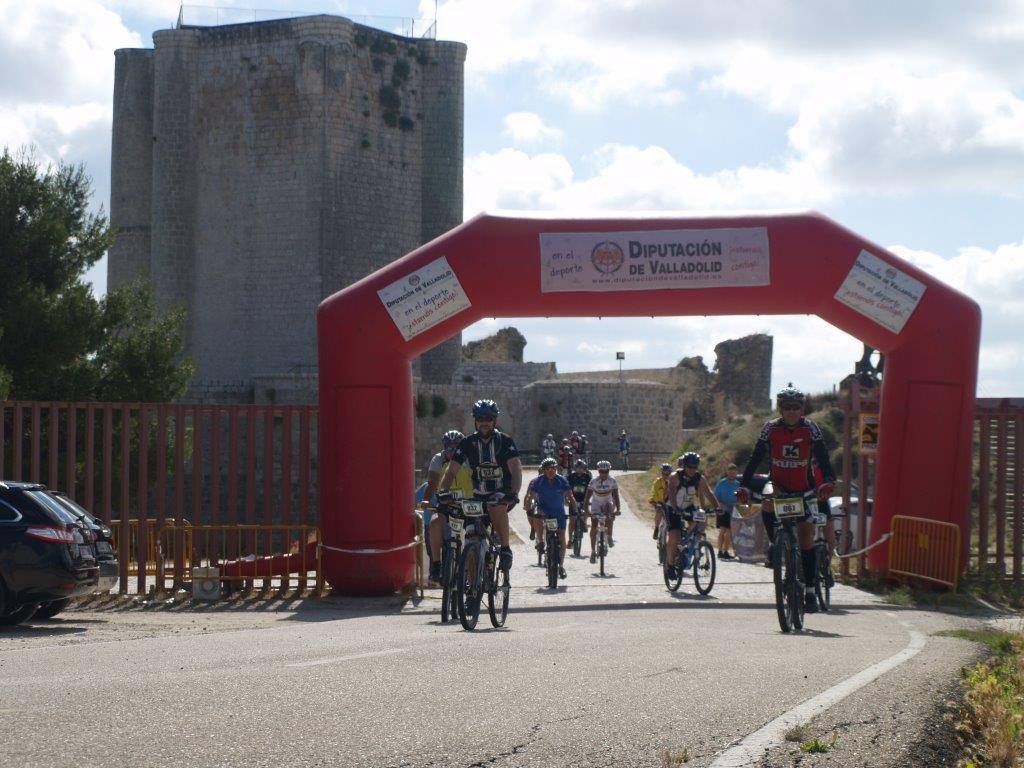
pixel 42 629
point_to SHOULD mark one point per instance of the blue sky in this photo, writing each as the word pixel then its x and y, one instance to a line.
pixel 903 122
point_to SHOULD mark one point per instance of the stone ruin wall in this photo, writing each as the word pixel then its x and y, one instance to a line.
pixel 653 405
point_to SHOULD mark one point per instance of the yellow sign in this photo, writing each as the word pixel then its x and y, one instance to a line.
pixel 868 432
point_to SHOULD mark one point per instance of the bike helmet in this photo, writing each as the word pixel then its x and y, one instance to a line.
pixel 604 466
pixel 666 467
pixel 548 462
pixel 790 396
pixel 575 433
pixel 690 459
pixel 485 409
pixel 549 436
pixel 581 463
pixel 451 438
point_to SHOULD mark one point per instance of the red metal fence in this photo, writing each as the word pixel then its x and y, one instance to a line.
pixel 997 535
pixel 161 464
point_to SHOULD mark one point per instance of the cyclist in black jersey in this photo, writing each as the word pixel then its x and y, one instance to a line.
pixel 579 480
pixel 686 489
pixel 493 459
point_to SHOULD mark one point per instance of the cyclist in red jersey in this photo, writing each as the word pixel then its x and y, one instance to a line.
pixel 792 445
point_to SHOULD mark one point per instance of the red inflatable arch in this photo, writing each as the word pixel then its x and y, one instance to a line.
pixel 780 264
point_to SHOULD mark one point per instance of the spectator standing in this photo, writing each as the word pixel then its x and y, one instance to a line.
pixel 725 493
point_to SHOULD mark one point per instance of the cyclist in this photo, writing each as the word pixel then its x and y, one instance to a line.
pixel 574 441
pixel 583 446
pixel 602 498
pixel 687 489
pixel 463 482
pixel 533 516
pixel 548 447
pixel 624 449
pixel 550 492
pixel 565 456
pixel 657 498
pixel 790 442
pixel 579 479
pixel 493 459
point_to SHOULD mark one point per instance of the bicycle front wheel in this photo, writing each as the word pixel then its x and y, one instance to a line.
pixel 447 583
pixel 577 539
pixel 672 582
pixel 823 587
pixel 553 553
pixel 704 566
pixel 469 586
pixel 782 567
pixel 497 598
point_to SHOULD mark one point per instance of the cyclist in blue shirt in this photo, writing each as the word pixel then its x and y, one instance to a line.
pixel 551 492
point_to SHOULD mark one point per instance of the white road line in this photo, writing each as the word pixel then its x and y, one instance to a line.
pixel 752 749
pixel 350 657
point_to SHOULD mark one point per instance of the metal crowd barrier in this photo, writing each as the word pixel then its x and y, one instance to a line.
pixel 276 556
pixel 925 549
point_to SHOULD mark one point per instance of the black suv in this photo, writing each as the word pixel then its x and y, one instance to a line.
pixel 46 554
pixel 106 554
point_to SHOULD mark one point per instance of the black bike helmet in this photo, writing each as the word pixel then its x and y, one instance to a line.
pixel 690 459
pixel 666 467
pixel 790 396
pixel 485 409
pixel 548 462
pixel 579 463
pixel 451 438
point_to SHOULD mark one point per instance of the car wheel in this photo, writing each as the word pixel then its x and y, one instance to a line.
pixel 18 615
pixel 51 609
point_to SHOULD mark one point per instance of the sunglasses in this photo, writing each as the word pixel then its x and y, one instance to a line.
pixel 485 419
pixel 791 407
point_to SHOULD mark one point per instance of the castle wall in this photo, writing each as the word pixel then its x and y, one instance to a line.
pixel 280 173
pixel 131 169
pixel 648 411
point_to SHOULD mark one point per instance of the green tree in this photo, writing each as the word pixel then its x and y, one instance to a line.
pixel 59 341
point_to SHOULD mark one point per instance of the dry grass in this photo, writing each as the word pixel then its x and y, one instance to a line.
pixel 673 758
pixel 990 722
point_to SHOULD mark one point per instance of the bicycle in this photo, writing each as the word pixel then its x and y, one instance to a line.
pixel 451 551
pixel 662 537
pixel 479 570
pixel 787 565
pixel 693 551
pixel 823 556
pixel 578 527
pixel 553 548
pixel 601 546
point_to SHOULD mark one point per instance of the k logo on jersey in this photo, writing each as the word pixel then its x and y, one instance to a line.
pixel 790 451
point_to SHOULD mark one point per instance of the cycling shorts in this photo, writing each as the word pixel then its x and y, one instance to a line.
pixel 601 506
pixel 724 519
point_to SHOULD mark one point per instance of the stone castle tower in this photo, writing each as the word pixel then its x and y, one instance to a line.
pixel 258 168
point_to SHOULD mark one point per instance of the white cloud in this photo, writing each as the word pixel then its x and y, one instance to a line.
pixel 529 128
pixel 630 178
pixel 909 97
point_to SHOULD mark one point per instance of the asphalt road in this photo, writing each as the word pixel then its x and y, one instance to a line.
pixel 608 671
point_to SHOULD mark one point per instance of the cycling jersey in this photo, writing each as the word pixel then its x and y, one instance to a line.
pixel 580 481
pixel 623 445
pixel 550 494
pixel 547 447
pixel 790 450
pixel 658 488
pixel 574 442
pixel 601 492
pixel 488 461
pixel 687 492
pixel 463 478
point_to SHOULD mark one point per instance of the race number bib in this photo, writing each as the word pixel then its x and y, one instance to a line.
pixel 699 515
pixel 455 524
pixel 489 473
pixel 551 523
pixel 789 507
pixel 473 508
